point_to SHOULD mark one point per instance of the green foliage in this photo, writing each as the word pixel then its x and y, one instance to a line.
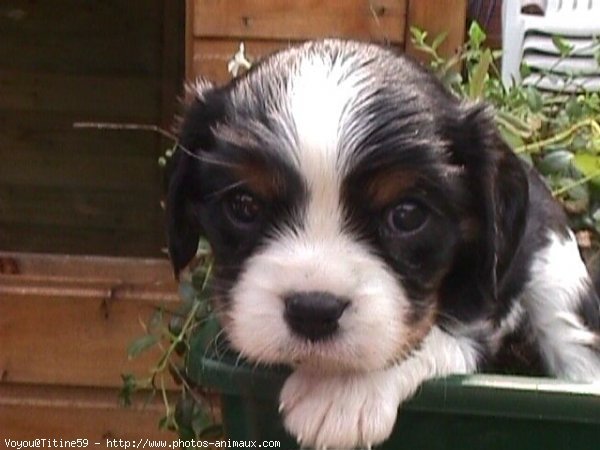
pixel 170 332
pixel 558 132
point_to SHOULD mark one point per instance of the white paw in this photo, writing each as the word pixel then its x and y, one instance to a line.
pixel 339 411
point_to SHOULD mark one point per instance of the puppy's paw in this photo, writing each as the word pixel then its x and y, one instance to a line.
pixel 342 411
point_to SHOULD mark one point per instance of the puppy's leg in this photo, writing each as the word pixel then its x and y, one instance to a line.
pixel 346 410
pixel 564 311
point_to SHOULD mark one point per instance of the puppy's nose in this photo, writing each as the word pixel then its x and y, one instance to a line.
pixel 314 315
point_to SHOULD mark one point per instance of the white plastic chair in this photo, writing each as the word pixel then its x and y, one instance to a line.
pixel 527 38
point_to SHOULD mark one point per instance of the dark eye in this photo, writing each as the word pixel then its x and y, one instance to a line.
pixel 242 208
pixel 407 216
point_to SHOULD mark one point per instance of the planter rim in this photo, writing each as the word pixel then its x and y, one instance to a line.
pixel 540 399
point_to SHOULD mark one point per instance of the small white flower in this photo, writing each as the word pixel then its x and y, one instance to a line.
pixel 238 61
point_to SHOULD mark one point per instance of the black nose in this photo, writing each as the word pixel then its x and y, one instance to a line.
pixel 314 315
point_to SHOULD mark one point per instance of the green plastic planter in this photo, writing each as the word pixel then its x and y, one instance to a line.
pixel 479 412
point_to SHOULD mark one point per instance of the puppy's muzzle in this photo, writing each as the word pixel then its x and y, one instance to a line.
pixel 314 315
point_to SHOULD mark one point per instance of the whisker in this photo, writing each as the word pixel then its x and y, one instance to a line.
pixel 226 189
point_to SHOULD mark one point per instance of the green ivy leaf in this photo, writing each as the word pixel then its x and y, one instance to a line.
pixel 156 320
pixel 534 99
pixel 524 70
pixel 556 162
pixel 563 47
pixel 127 389
pixel 452 80
pixel 140 345
pixel 579 193
pixel 511 138
pixel 480 72
pixel 573 109
pixel 476 35
pixel 418 35
pixel 589 166
pixel 439 39
pixel 201 419
pixel 183 416
pixel 176 325
pixel 187 293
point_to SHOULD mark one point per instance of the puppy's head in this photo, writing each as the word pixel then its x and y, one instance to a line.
pixel 351 204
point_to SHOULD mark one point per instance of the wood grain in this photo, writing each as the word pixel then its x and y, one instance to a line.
pixel 215 28
pixel 77 208
pixel 381 20
pixel 61 327
pixel 210 56
pixel 58 412
pixel 32 237
pixel 120 98
pixel 66 190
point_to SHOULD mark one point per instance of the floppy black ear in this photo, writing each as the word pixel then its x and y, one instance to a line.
pixel 498 183
pixel 183 231
pixel 183 227
pixel 506 199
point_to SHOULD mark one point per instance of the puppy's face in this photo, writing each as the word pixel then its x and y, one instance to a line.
pixel 350 201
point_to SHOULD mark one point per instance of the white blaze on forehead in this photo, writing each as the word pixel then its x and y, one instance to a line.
pixel 321 98
pixel 320 93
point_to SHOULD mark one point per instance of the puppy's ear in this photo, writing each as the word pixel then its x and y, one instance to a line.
pixel 183 227
pixel 499 185
pixel 183 230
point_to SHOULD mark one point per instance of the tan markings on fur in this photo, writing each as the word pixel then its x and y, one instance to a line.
pixel 256 176
pixel 419 329
pixel 259 180
pixel 470 228
pixel 387 186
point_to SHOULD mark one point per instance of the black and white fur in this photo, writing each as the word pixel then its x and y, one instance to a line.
pixel 372 231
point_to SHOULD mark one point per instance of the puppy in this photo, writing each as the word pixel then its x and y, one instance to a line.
pixel 372 231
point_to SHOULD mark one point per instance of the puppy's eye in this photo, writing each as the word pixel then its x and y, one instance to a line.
pixel 407 216
pixel 242 208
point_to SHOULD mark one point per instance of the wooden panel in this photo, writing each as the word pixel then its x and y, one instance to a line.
pixel 93 17
pixel 31 412
pixel 109 60
pixel 210 56
pixel 140 270
pixel 74 330
pixel 172 63
pixel 436 17
pixel 216 27
pixel 81 208
pixel 126 98
pixel 300 19
pixel 53 134
pixel 110 36
pixel 189 39
pixel 102 54
pixel 55 178
pixel 32 237
pixel 77 170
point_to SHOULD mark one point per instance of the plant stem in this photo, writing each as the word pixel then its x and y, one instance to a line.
pixel 579 182
pixel 137 127
pixel 126 126
pixel 536 146
pixel 165 359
